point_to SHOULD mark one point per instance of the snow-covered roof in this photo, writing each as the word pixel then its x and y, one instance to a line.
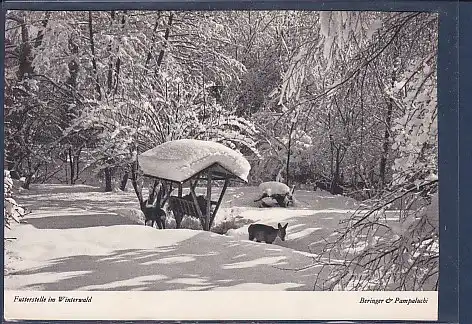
pixel 179 160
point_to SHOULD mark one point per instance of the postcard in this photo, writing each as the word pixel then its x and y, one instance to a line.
pixel 221 165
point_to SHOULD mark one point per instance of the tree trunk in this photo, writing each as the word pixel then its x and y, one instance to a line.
pixel 118 60
pixel 386 141
pixel 66 169
pixel 153 39
pixel 385 144
pixel 108 179
pixel 110 61
pixel 335 183
pixel 331 147
pixel 166 37
pixel 25 57
pixel 28 180
pixel 124 181
pixel 92 50
pixel 40 34
pixel 72 166
pixel 77 161
pixel 388 124
pixel 134 182
pixel 287 180
pixel 31 172
pixel 360 154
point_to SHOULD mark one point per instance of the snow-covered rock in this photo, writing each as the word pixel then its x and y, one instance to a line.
pixel 274 188
pixel 180 159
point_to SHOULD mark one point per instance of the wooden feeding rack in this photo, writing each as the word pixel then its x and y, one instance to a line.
pixel 168 173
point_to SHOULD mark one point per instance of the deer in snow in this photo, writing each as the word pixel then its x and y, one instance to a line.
pixel 154 213
pixel 266 233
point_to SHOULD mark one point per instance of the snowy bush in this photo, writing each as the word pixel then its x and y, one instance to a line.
pixel 224 226
pixel 190 222
pixel 388 250
pixel 11 209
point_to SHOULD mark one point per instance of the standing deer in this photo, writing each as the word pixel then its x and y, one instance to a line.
pixel 266 233
pixel 154 213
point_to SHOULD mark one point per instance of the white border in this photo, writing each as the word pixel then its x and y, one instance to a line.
pixel 221 305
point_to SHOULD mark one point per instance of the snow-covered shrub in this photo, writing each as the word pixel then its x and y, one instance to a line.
pixel 133 214
pixel 416 132
pixel 187 222
pixel 224 226
pixel 230 219
pixel 190 222
pixel 229 224
pixel 11 209
pixel 388 249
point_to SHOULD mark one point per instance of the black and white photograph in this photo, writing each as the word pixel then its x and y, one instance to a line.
pixel 278 150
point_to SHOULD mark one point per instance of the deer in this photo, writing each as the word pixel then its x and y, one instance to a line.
pixel 154 213
pixel 266 233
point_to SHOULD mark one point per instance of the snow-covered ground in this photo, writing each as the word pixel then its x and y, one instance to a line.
pixel 79 238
